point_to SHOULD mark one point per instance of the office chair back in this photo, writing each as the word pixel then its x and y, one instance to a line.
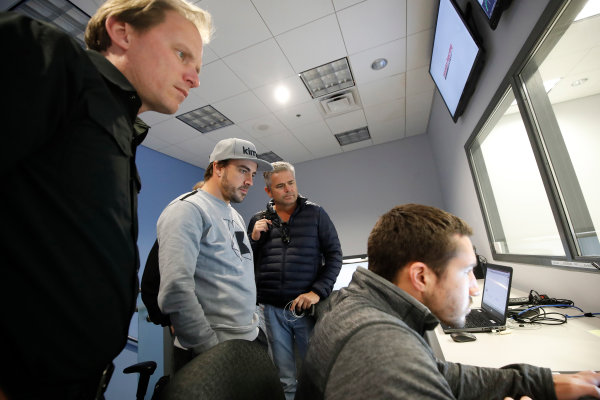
pixel 232 370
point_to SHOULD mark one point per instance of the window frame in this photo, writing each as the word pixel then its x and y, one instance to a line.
pixel 545 138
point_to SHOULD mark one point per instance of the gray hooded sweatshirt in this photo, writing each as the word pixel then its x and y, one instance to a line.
pixel 368 344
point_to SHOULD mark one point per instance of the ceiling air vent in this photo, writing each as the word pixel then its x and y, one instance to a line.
pixel 340 102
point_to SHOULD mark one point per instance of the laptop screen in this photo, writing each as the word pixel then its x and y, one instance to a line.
pixel 496 290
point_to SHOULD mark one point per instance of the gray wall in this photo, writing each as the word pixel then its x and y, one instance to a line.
pixel 356 187
pixel 447 143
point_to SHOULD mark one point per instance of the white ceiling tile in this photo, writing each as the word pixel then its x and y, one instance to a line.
pixel 300 114
pixel 385 111
pixel 174 131
pixel 346 122
pixel 358 145
pixel 560 65
pixel 421 15
pixel 218 82
pixel 192 102
pixel 318 139
pixel 394 52
pixel 588 63
pixel 231 131
pixel 266 125
pixel 382 90
pixel 581 35
pixel 298 93
pixel 419 81
pixel 384 20
pixel 314 44
pixel 419 102
pixel 286 146
pixel 241 107
pixel 281 16
pixel 418 49
pixel 416 124
pixel 237 25
pixel 260 64
pixel 386 131
pixel 200 146
pixel 341 4
pixel 180 153
pixel 208 56
pixel 154 142
pixel 153 117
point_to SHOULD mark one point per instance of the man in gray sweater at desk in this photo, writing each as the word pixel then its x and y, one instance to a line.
pixel 369 339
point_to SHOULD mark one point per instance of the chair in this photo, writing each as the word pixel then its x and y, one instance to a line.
pixel 232 370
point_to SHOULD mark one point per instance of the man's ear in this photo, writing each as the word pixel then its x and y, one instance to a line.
pixel 268 191
pixel 418 276
pixel 119 32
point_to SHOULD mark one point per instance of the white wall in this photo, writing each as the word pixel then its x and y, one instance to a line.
pixel 356 187
pixel 448 139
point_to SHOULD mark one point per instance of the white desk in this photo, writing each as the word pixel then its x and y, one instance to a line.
pixel 567 347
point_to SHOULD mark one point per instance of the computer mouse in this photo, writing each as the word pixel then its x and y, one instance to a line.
pixel 463 337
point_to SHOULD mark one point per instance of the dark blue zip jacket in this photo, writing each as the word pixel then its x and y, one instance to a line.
pixel 310 261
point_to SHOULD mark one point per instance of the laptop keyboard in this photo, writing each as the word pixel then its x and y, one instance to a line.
pixel 476 319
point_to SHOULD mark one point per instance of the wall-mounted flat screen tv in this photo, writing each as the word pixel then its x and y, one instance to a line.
pixel 493 10
pixel 456 59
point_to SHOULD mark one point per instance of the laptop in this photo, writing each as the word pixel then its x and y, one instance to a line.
pixel 494 303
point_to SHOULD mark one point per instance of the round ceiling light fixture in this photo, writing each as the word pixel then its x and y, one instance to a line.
pixel 378 64
pixel 282 94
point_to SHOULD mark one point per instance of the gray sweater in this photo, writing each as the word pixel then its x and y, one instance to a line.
pixel 368 344
pixel 207 272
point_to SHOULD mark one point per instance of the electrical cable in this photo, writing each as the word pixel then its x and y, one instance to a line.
pixel 294 316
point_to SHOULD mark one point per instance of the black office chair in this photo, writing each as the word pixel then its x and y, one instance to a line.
pixel 232 370
pixel 145 369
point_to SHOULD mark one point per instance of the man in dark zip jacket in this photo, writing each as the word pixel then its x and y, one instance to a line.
pixel 297 258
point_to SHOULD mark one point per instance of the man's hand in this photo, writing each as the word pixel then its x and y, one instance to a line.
pixel 574 386
pixel 304 301
pixel 262 225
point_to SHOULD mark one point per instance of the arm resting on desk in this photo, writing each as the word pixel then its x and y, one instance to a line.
pixel 516 380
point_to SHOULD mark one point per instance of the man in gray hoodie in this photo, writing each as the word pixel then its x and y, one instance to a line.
pixel 369 343
pixel 205 259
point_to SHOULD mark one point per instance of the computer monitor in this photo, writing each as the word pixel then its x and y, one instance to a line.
pixel 493 10
pixel 456 59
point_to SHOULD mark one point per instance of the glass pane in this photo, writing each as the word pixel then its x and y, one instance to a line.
pixel 571 75
pixel 516 204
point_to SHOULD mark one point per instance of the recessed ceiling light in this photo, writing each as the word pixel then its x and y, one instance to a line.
pixel 579 82
pixel 205 119
pixel 269 156
pixel 353 136
pixel 378 64
pixel 61 13
pixel 282 94
pixel 328 78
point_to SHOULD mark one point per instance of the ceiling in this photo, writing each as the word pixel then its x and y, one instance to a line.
pixel 261 44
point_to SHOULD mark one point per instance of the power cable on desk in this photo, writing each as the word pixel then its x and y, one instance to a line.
pixel 538 314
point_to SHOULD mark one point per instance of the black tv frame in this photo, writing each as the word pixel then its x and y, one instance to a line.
pixel 476 68
pixel 497 11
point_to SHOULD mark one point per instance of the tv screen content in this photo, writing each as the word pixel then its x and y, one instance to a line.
pixel 493 9
pixel 488 7
pixel 454 58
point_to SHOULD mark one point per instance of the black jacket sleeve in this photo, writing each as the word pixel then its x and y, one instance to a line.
pixel 332 256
